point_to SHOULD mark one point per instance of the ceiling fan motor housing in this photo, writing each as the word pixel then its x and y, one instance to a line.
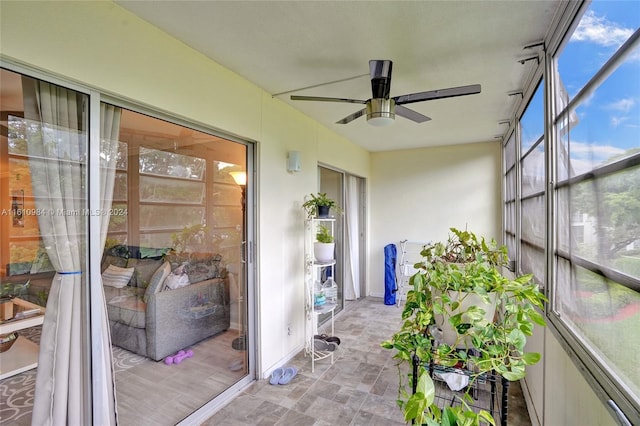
pixel 380 71
pixel 381 112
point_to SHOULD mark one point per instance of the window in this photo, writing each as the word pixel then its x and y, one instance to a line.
pixel 510 196
pixel 175 201
pixel 172 178
pixel 594 279
pixel 596 295
pixel 532 187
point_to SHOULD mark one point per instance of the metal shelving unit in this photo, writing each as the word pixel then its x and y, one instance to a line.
pixel 315 272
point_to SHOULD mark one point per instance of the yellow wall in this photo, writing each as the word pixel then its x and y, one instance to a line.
pixel 420 193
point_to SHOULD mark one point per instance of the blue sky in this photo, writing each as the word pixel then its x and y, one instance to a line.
pixel 609 119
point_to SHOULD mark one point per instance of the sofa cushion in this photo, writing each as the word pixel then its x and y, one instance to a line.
pixel 111 293
pixel 199 266
pixel 115 276
pixel 108 259
pixel 156 282
pixel 118 250
pixel 129 310
pixel 144 269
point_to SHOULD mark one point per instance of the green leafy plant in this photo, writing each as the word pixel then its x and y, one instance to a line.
pixel 9 290
pixel 323 235
pixel 314 201
pixel 462 267
pixel 193 238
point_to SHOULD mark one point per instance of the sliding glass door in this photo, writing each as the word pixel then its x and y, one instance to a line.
pixel 166 291
pixel 178 229
pixel 348 191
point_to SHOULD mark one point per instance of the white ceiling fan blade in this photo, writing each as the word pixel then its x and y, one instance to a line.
pixel 323 99
pixel 351 117
pixel 437 94
pixel 411 114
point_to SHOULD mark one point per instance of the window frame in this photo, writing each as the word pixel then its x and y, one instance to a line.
pixel 614 394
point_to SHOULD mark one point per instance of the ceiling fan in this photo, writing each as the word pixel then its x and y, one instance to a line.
pixel 380 108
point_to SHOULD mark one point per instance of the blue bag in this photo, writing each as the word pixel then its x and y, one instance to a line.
pixel 390 288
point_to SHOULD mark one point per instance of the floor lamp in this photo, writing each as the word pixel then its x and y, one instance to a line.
pixel 240 342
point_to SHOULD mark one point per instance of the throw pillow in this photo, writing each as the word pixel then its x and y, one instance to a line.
pixel 156 283
pixel 174 281
pixel 115 276
pixel 144 271
pixel 113 260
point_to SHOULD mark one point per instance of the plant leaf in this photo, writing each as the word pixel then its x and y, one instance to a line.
pixel 484 415
pixel 531 358
pixel 537 318
pixel 415 405
pixel 517 339
pixel 426 386
pixel 512 376
pixel 448 417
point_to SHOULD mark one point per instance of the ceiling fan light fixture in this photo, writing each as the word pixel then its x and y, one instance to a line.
pixel 381 112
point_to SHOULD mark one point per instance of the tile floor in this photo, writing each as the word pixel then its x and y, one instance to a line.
pixel 360 388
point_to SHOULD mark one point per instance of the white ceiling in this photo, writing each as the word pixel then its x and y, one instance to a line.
pixel 287 45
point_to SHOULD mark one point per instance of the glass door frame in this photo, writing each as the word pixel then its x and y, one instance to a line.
pixel 91 298
pixel 248 251
pixel 341 231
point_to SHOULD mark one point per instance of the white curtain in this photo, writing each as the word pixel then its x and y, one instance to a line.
pixel 352 243
pixel 57 140
pixel 104 394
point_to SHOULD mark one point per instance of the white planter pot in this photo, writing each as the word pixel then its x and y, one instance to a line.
pixel 323 252
pixel 450 335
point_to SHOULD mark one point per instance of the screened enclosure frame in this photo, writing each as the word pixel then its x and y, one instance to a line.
pixel 616 396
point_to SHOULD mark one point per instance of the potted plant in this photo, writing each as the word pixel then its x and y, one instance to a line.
pixel 450 274
pixel 324 245
pixel 319 205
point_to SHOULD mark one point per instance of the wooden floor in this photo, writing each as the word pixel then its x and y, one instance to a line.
pixel 147 392
pixel 153 393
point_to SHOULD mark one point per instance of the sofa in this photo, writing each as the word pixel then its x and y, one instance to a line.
pixel 151 317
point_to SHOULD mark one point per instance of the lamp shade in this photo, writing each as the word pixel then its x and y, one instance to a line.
pixel 240 177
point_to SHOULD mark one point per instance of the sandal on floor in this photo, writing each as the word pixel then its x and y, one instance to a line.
pixel 326 338
pixel 333 339
pixel 289 373
pixel 276 376
pixel 323 345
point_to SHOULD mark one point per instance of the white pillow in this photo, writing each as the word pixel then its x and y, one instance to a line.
pixel 174 281
pixel 115 276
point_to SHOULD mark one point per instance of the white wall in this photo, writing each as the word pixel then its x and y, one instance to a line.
pixel 419 194
pixel 101 45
